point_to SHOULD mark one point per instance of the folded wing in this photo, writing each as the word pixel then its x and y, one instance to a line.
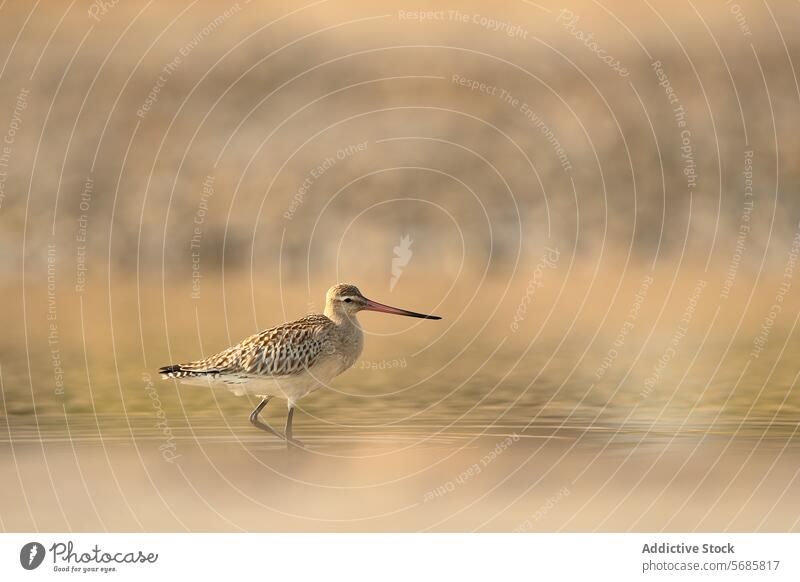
pixel 284 350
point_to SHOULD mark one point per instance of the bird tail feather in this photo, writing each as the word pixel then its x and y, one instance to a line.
pixel 184 371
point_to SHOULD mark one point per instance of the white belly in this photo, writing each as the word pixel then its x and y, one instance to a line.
pixel 291 388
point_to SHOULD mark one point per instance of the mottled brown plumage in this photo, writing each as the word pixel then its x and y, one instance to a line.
pixel 290 360
pixel 283 350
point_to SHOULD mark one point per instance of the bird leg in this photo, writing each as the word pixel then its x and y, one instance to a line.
pixel 288 431
pixel 263 425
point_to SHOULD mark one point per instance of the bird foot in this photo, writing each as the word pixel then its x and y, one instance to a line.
pixel 291 441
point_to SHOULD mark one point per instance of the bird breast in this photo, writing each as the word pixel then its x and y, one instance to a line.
pixel 348 343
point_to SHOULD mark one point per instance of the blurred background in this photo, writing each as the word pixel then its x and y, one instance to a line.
pixel 600 199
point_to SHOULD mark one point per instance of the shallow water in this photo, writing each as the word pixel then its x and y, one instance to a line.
pixel 485 391
pixel 404 481
pixel 434 429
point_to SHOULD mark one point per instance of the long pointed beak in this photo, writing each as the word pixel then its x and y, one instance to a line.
pixel 375 306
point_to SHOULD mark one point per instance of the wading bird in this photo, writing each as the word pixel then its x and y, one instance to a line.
pixel 291 360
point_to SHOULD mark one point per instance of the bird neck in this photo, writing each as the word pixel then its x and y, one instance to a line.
pixel 340 317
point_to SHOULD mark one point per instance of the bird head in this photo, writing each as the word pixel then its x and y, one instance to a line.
pixel 344 299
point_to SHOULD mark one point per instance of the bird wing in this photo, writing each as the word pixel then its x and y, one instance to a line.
pixel 284 350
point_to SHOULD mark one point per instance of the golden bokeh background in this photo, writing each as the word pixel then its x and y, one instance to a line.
pixel 600 198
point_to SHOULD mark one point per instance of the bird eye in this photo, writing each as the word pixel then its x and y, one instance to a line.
pixel 348 300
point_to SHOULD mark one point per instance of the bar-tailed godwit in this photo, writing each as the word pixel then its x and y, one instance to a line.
pixel 290 360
